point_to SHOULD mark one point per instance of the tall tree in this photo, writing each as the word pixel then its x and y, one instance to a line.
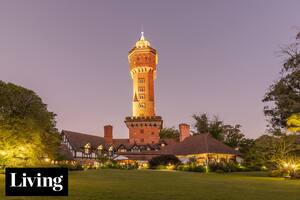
pixel 283 97
pixel 166 133
pixel 228 134
pixel 205 125
pixel 233 136
pixel 202 123
pixel 27 129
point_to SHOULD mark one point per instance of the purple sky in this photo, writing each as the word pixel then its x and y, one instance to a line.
pixel 217 57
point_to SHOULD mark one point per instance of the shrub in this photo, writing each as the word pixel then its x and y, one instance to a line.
pixel 190 168
pixel 226 167
pixel 163 160
pixel 276 173
pixel 71 166
pixel 283 172
pixel 116 165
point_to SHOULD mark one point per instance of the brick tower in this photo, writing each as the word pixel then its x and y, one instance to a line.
pixel 143 125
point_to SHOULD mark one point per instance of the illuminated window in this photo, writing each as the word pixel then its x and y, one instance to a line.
pixel 100 150
pixel 135 149
pixel 142 96
pixel 141 80
pixel 87 148
pixel 142 105
pixel 141 89
pixel 122 149
pixel 100 147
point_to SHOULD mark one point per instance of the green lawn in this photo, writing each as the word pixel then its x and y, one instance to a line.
pixel 172 185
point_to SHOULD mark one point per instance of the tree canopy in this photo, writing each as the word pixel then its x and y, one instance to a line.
pixel 226 133
pixel 169 133
pixel 28 131
pixel 283 97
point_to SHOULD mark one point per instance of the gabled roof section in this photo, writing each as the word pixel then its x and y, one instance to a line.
pixel 78 140
pixel 199 144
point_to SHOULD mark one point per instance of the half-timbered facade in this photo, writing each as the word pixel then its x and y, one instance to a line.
pixel 90 147
pixel 144 125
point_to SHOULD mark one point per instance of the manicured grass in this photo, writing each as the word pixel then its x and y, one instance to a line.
pixel 172 185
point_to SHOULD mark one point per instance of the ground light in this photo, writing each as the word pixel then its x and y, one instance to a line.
pixel 290 168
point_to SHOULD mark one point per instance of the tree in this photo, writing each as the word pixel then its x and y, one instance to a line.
pixel 27 129
pixel 216 128
pixel 228 134
pixel 283 97
pixel 233 136
pixel 273 151
pixel 166 133
pixel 205 125
pixel 202 123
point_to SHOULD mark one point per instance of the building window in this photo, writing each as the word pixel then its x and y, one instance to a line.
pixel 142 96
pixel 122 149
pixel 142 130
pixel 142 105
pixel 87 148
pixel 111 151
pixel 135 149
pixel 152 133
pixel 142 139
pixel 141 89
pixel 141 80
pixel 99 150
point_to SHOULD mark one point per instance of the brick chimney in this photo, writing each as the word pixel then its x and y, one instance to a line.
pixel 184 131
pixel 108 134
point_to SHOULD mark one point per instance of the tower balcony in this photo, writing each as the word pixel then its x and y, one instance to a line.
pixel 143 119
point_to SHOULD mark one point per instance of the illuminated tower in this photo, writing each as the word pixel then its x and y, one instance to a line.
pixel 144 125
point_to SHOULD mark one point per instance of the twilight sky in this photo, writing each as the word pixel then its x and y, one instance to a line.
pixel 217 57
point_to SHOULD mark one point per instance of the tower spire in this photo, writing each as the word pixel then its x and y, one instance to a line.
pixel 142 42
pixel 142 36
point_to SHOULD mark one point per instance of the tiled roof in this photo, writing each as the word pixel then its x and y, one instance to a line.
pixel 199 144
pixel 169 141
pixel 120 141
pixel 78 140
pixel 196 144
pixel 145 155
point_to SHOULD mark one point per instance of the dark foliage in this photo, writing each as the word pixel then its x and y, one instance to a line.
pixel 163 160
pixel 166 133
pixel 283 97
